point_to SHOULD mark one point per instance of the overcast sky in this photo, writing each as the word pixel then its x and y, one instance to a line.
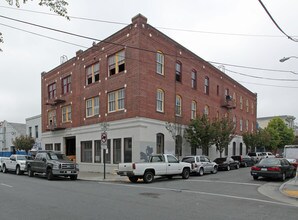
pixel 229 32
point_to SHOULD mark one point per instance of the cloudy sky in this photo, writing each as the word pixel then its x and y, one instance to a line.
pixel 229 33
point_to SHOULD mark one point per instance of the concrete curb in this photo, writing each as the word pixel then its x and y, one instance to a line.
pixel 289 189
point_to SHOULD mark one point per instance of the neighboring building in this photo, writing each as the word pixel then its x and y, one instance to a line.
pixel 136 81
pixel 287 119
pixel 33 129
pixel 8 132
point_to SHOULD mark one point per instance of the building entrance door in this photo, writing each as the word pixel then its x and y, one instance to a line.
pixel 70 147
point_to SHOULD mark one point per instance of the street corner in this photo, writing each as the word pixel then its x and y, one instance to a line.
pixel 290 188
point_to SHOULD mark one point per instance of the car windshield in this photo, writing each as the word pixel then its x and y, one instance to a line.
pixel 188 159
pixel 270 162
pixel 220 160
pixel 22 157
pixel 251 154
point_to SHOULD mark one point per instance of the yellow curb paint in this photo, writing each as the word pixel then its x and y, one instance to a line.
pixel 291 192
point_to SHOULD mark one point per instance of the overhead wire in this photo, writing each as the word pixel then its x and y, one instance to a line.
pixel 159 27
pixel 279 28
pixel 91 38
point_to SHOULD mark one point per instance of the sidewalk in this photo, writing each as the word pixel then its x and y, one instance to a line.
pixel 96 176
pixel 290 188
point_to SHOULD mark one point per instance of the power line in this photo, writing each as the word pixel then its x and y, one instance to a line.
pixel 159 27
pixel 151 51
pixel 259 77
pixel 289 37
pixel 262 84
pixel 41 35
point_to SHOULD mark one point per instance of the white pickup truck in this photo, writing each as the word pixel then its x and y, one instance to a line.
pixel 15 162
pixel 158 165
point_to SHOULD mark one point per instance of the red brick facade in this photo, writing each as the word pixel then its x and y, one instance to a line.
pixel 140 82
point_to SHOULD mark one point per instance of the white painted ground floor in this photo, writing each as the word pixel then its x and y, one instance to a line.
pixel 129 140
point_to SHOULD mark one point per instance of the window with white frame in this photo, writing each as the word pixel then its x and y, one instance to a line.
pixel 206 110
pixel 160 63
pixel 246 125
pixel 247 106
pixel 92 73
pixel 116 100
pixel 66 113
pixel 241 124
pixel 92 107
pixel 116 63
pixel 178 71
pixel 160 100
pixel 241 102
pixel 193 109
pixel 48 146
pixel 206 85
pixel 193 79
pixel 97 151
pixel 178 105
pixel 52 118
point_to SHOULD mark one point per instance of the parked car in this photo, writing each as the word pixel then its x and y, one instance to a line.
pixel 52 164
pixel 201 164
pixel 227 163
pixel 267 154
pixel 15 163
pixel 256 156
pixel 278 168
pixel 245 161
pixel 1 160
pixel 158 165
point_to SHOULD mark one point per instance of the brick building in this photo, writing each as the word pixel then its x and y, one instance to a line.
pixel 136 81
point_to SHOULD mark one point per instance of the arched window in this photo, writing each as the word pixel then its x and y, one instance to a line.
pixel 160 63
pixel 160 140
pixel 193 109
pixel 160 95
pixel 178 105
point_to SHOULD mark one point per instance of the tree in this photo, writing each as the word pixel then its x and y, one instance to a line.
pixel 200 133
pixel 24 142
pixel 280 133
pixel 251 140
pixel 223 133
pixel 57 6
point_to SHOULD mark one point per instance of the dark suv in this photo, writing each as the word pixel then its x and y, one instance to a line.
pixel 245 161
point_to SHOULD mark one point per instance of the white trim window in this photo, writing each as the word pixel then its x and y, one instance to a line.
pixel 178 105
pixel 160 63
pixel 116 100
pixel 193 110
pixel 160 100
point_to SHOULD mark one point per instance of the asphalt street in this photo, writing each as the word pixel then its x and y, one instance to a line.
pixel 225 195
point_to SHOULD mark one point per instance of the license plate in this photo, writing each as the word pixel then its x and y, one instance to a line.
pixel 68 171
pixel 264 169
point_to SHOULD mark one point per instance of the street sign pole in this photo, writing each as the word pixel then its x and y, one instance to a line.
pixel 104 138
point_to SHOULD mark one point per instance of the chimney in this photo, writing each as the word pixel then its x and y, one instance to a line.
pixel 139 19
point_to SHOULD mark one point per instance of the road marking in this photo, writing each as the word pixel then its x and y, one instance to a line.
pixel 215 181
pixel 6 185
pixel 199 192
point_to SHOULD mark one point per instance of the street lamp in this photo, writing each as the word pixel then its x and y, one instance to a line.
pixel 286 58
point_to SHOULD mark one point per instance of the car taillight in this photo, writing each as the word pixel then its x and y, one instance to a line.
pixel 273 168
pixel 134 166
pixel 255 168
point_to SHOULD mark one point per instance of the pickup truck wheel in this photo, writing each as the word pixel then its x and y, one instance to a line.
pixel 18 170
pixel 148 177
pixel 49 174
pixel 74 177
pixel 185 173
pixel 30 172
pixel 4 169
pixel 133 179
